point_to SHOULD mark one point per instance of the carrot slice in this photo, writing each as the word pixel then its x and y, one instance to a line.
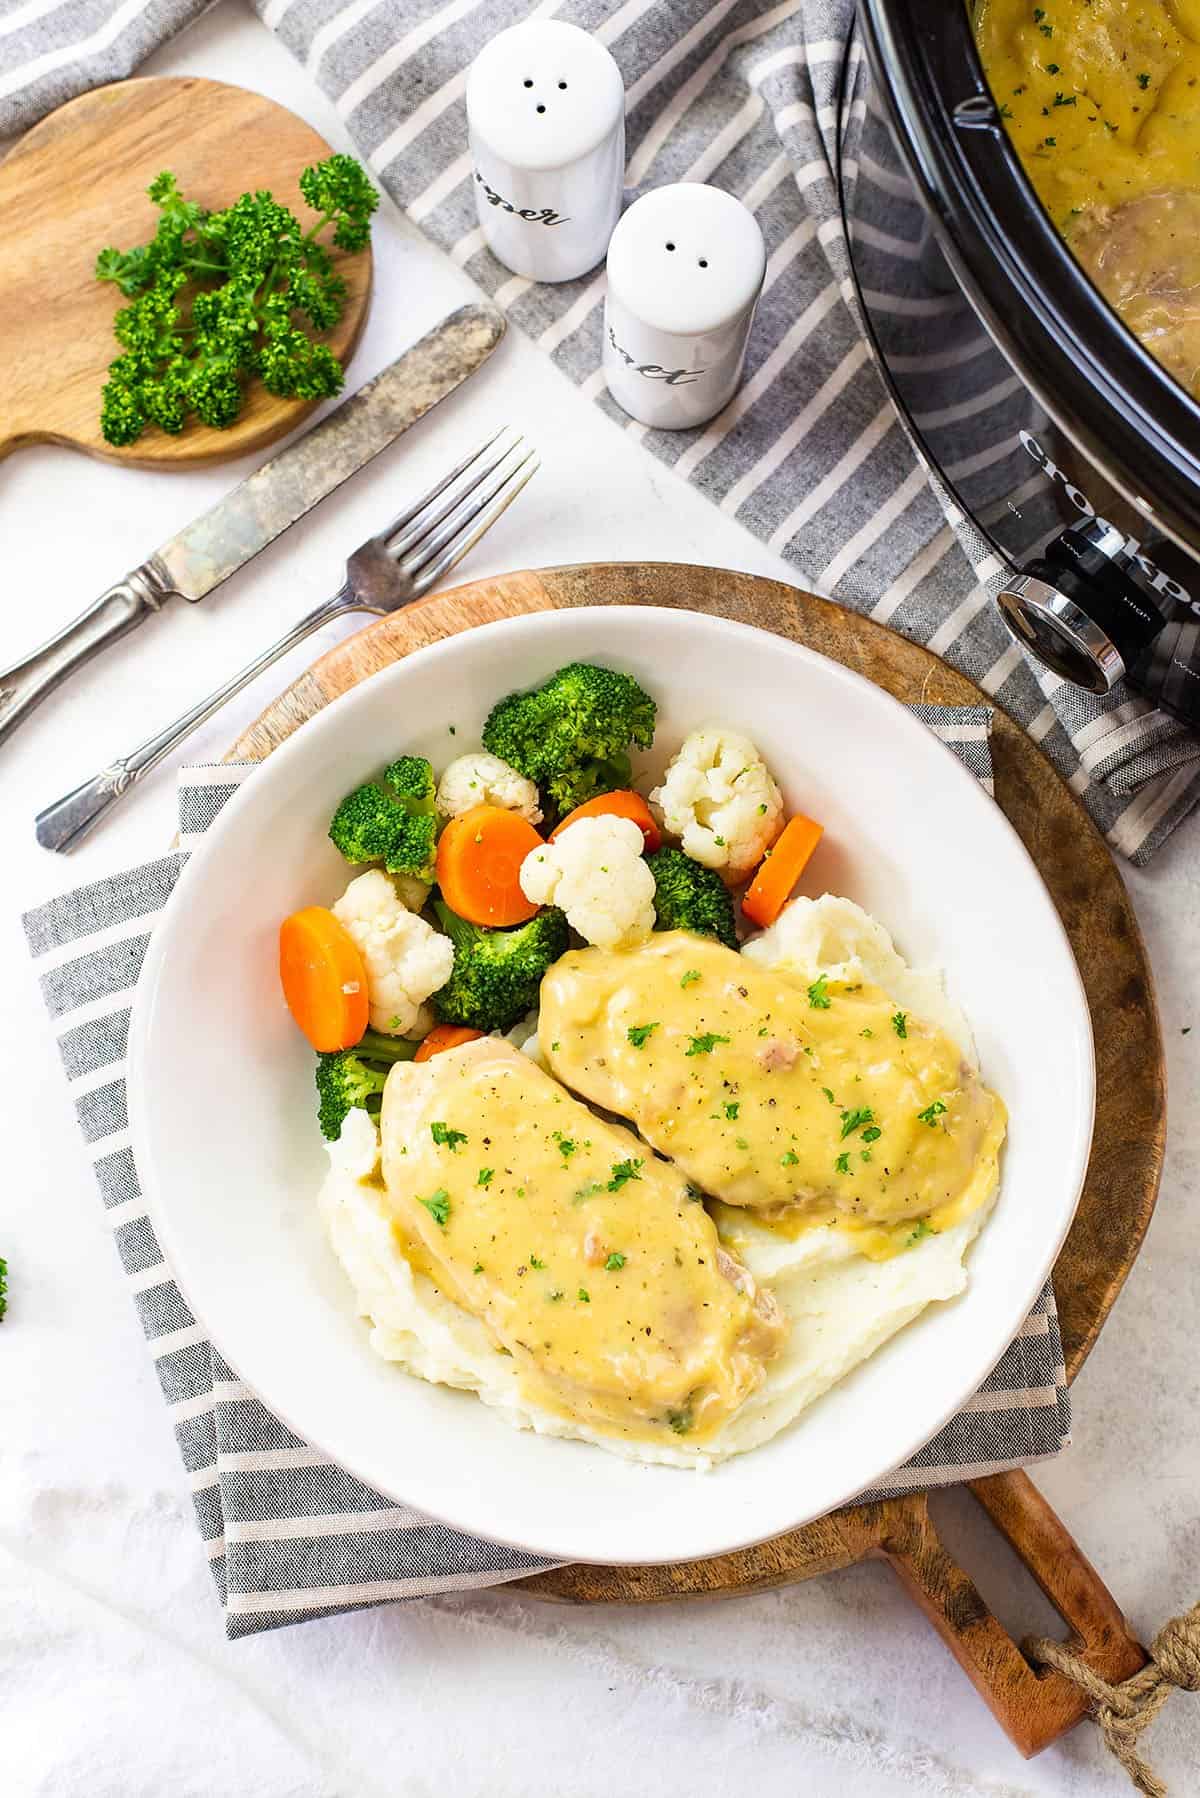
pixel 443 1037
pixel 323 978
pixel 780 869
pixel 621 804
pixel 479 860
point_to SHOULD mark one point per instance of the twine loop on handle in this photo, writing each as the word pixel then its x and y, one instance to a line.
pixel 1124 1711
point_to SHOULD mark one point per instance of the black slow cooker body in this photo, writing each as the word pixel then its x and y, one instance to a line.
pixel 1091 500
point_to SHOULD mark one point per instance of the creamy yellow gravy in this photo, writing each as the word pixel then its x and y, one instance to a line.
pixel 588 1259
pixel 1102 100
pixel 811 1103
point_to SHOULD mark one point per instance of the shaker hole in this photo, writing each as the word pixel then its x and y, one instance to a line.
pixel 563 85
pixel 670 246
pixel 541 109
pixel 703 263
pixel 529 83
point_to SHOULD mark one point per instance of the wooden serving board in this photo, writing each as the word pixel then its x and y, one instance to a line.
pixel 76 183
pixel 1122 1182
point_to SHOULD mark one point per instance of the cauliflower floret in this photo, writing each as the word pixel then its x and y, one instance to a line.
pixel 596 873
pixel 405 958
pixel 719 799
pixel 411 892
pixel 482 779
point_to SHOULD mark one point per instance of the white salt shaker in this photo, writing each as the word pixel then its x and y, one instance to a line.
pixel 546 120
pixel 685 269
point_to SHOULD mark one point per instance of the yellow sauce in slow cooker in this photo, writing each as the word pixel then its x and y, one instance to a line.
pixel 1102 101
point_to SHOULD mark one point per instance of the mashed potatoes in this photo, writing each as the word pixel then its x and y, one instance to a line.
pixel 840 1304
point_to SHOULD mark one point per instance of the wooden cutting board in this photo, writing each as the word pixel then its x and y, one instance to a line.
pixel 1122 1182
pixel 76 183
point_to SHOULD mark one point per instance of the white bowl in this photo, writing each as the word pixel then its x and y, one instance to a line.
pixel 230 1158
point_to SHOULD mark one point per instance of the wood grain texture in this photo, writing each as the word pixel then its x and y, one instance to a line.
pixel 1122 1179
pixel 76 183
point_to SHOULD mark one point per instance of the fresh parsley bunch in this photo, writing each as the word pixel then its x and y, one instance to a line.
pixel 216 297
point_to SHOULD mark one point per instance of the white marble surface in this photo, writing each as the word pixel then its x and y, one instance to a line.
pixel 115 1677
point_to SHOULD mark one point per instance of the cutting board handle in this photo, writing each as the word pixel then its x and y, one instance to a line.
pixel 1034 1706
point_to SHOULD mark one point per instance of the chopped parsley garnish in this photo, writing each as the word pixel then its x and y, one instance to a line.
pixel 704 1045
pixel 640 1034
pixel 731 1110
pixel 900 1023
pixel 740 1142
pixel 1063 100
pixel 872 1134
pixel 555 1295
pixel 1006 112
pixel 680 1421
pixel 790 1159
pixel 762 811
pixel 438 1207
pixel 566 1147
pixel 534 1262
pixel 485 1176
pixel 854 1120
pixel 694 1193
pixel 1046 30
pixel 690 977
pixel 623 1171
pixel 1039 13
pixel 478 1268
pixel 1143 82
pixel 842 1164
pixel 587 1192
pixel 1050 142
pixel 584 1296
pixel 615 1262
pixel 447 1139
pixel 818 998
pixel 554 1048
pixel 931 1114
pixel 828 1091
pixel 1051 69
pixel 923 1229
pixel 868 1032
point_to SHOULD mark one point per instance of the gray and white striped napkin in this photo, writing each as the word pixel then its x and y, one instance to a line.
pixel 289 1535
pixel 809 455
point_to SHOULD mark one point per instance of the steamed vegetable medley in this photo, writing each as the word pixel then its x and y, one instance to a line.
pixel 471 884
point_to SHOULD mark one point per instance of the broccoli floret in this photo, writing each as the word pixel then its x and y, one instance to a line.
pixel 497 973
pixel 392 820
pixel 411 776
pixel 350 1077
pixel 573 735
pixel 688 896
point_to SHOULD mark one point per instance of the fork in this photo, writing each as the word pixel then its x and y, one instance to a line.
pixel 388 571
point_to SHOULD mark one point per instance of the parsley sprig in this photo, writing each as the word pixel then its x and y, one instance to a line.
pixel 218 297
pixel 438 1207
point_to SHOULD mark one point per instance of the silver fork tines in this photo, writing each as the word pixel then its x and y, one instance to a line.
pixel 388 571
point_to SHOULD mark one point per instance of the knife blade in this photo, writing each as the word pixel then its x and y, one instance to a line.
pixel 222 540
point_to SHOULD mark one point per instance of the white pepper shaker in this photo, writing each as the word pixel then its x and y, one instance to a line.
pixel 546 120
pixel 685 269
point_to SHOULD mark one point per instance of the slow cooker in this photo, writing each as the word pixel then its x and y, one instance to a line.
pixel 1072 451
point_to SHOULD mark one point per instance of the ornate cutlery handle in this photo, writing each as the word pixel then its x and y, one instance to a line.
pixel 65 823
pixel 26 683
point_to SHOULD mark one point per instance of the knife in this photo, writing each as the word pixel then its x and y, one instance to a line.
pixel 215 545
